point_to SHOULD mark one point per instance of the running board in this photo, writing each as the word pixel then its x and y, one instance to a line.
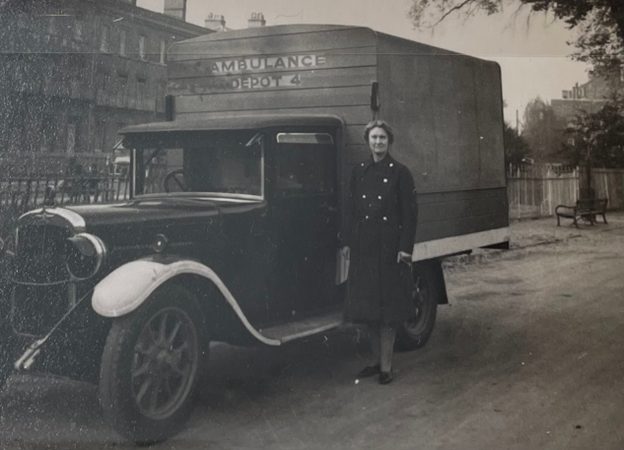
pixel 303 328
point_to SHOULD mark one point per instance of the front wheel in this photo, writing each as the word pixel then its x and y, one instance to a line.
pixel 415 333
pixel 150 366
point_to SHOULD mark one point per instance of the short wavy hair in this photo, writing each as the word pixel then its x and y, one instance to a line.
pixel 379 124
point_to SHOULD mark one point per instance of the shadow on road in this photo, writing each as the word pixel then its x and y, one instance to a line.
pixel 276 389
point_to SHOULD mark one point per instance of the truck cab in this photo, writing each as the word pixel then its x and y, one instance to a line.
pixel 273 181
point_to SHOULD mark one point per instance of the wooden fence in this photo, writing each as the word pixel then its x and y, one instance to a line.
pixel 536 190
pixel 609 183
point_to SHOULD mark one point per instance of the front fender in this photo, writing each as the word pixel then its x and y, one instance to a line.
pixel 129 286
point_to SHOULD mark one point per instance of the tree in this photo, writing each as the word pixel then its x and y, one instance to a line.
pixel 600 22
pixel 517 149
pixel 597 138
pixel 541 130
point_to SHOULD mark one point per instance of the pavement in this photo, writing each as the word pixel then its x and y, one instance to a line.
pixel 526 233
pixel 529 233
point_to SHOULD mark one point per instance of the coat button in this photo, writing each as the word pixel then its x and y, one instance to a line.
pixel 385 218
pixel 391 164
pixel 379 197
pixel 364 196
pixel 366 217
pixel 362 164
pixel 385 180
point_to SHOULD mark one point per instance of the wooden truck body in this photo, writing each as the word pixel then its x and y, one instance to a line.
pixel 446 111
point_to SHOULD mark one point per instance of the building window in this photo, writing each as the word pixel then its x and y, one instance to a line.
pixel 161 91
pixel 71 137
pixel 141 92
pixel 122 85
pixel 104 38
pixel 48 133
pixel 122 42
pixel 142 42
pixel 163 51
pixel 52 26
pixel 105 81
pixel 78 30
pixel 122 81
pixel 102 79
pixel 74 87
pixel 100 139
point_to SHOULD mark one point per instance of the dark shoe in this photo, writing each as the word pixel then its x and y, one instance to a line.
pixel 385 377
pixel 369 371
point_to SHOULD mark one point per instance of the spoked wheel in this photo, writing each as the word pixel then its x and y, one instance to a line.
pixel 150 366
pixel 415 333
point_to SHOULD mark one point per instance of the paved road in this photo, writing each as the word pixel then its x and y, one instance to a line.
pixel 529 355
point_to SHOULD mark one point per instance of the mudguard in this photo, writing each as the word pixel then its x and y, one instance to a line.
pixel 130 285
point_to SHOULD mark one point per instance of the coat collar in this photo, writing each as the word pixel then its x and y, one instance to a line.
pixel 388 161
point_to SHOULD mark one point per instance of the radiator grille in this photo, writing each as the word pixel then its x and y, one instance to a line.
pixel 40 256
pixel 41 280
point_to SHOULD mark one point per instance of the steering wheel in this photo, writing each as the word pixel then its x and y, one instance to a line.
pixel 174 181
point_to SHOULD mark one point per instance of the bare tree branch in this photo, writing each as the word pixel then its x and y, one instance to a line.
pixel 453 9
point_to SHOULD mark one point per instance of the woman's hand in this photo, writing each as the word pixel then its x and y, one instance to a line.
pixel 404 257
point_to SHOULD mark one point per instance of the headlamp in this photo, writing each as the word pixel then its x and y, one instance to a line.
pixel 85 255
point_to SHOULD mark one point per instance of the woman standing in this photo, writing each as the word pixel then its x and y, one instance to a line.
pixel 379 238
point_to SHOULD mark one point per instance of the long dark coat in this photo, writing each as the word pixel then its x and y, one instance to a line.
pixel 381 221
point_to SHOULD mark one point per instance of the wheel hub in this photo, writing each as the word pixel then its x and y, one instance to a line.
pixel 165 363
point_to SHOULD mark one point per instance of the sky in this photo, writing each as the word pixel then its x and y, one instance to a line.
pixel 532 49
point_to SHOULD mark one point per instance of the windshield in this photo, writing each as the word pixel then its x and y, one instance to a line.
pixel 214 162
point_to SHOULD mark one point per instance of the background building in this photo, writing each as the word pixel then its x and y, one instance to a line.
pixel 72 72
pixel 589 97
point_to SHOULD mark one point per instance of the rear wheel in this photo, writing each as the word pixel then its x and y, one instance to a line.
pixel 415 333
pixel 150 366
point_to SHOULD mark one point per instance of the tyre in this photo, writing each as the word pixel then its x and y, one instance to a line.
pixel 414 334
pixel 150 366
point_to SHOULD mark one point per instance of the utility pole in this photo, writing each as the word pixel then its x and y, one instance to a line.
pixel 588 164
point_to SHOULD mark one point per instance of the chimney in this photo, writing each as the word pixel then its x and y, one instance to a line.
pixel 215 22
pixel 257 20
pixel 176 8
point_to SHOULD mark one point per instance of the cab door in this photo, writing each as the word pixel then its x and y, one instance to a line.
pixel 304 217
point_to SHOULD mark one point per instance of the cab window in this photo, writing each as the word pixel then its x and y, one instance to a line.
pixel 304 164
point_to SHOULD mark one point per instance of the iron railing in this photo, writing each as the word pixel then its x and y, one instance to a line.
pixel 22 193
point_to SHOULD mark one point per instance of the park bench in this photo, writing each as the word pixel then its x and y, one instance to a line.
pixel 586 209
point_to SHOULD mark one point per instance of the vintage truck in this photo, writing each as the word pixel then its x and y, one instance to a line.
pixel 232 230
